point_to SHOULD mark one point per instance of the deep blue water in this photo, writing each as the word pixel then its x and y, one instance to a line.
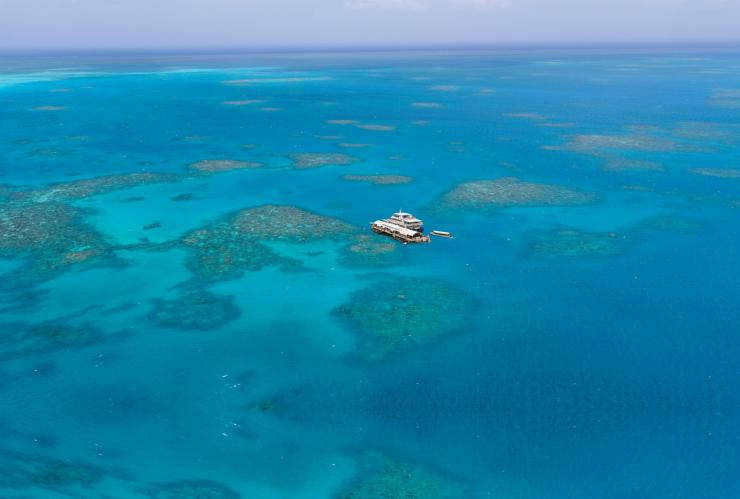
pixel 604 365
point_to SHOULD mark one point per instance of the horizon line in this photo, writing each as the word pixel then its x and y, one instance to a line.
pixel 384 47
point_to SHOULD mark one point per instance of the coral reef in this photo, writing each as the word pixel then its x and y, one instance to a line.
pixel 187 196
pixel 375 128
pixel 510 191
pixel 242 102
pixel 671 223
pixel 20 339
pixel 281 222
pixel 352 145
pixel 78 189
pixel 381 476
pixel 569 243
pixel 717 172
pixel 444 88
pixel 315 160
pixel 25 471
pixel 379 179
pixel 52 236
pixel 232 245
pixel 398 314
pixel 49 108
pixel 624 164
pixel 596 144
pixel 427 105
pixel 222 165
pixel 200 310
pixel 525 116
pixel 727 98
pixel 370 251
pixel 191 489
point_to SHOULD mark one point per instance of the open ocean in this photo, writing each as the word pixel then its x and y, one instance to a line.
pixel 192 304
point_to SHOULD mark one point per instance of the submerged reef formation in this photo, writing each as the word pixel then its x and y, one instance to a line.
pixel 510 191
pixel 49 108
pixel 379 179
pixel 306 160
pixel 398 314
pixel 200 310
pixel 617 164
pixel 670 223
pixel 51 237
pixel 727 98
pixel 191 489
pixel 370 251
pixel 234 244
pixel 525 116
pixel 21 339
pixel 237 103
pixel 570 243
pixel 717 172
pixel 222 165
pixel 427 105
pixel 282 222
pixel 78 189
pixel 374 127
pixel 445 88
pixel 597 144
pixel 24 471
pixel 381 476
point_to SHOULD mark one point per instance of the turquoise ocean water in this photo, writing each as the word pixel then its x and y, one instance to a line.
pixel 235 333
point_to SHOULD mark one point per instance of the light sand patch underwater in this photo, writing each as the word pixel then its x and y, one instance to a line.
pixel 427 105
pixel 49 108
pixel 375 128
pixel 242 102
pixel 352 145
pixel 445 88
pixel 717 172
pixel 342 122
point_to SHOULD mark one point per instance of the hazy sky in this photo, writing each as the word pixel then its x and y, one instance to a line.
pixel 188 23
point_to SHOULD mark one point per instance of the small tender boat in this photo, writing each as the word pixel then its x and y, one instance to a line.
pixel 441 233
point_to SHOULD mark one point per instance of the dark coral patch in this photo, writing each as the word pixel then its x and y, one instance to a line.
pixel 381 476
pixel 201 310
pixel 369 251
pixel 570 243
pixel 192 489
pixel 399 314
pixel 20 339
pixel 25 471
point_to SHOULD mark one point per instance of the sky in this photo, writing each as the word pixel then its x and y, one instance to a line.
pixel 100 24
